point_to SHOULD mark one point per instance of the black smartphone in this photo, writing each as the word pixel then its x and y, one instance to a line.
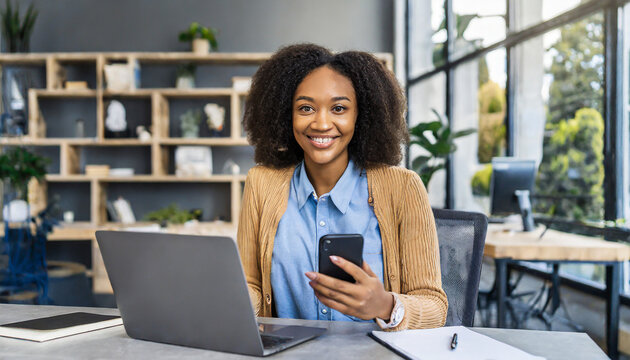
pixel 347 246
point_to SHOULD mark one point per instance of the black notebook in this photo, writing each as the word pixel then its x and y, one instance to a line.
pixel 54 327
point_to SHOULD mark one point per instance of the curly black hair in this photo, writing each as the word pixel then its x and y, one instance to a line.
pixel 380 128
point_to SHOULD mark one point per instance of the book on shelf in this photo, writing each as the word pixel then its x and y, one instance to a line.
pixel 58 326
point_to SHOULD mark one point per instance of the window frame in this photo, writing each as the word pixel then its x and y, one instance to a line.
pixel 614 192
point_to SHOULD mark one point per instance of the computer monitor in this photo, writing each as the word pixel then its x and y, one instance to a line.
pixel 511 185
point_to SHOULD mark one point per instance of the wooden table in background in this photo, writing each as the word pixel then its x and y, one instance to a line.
pixel 506 242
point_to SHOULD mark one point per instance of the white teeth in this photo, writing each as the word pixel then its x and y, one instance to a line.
pixel 322 140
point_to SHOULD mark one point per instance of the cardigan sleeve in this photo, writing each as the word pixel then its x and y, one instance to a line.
pixel 422 295
pixel 248 242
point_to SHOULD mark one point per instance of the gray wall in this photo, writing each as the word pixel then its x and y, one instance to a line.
pixel 244 25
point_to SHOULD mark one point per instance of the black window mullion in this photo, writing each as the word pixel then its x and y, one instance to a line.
pixel 510 85
pixel 448 49
pixel 613 114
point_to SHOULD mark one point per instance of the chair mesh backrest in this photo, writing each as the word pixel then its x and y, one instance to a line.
pixel 461 236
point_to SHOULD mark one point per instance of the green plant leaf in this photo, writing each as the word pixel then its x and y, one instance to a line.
pixel 461 133
pixel 420 161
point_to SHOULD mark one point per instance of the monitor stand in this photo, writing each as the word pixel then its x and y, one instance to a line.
pixel 525 205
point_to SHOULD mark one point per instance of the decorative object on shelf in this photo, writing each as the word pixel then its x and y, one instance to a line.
pixel 143 133
pixel 121 172
pixel 79 128
pixel 16 211
pixel 241 84
pixel 15 85
pixel 185 76
pixel 116 121
pixel 122 77
pixel 97 170
pixel 202 38
pixel 124 211
pixel 232 168
pixel 172 214
pixel 216 117
pixel 17 167
pixel 68 217
pixel 193 161
pixel 189 123
pixel 76 85
pixel 112 215
pixel 439 146
pixel 16 32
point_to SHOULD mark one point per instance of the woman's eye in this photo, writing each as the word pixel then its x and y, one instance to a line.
pixel 306 108
pixel 338 108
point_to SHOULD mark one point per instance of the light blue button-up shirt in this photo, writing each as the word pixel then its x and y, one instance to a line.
pixel 344 210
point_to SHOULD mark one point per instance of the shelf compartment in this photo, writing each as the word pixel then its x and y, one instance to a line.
pixel 53 116
pixel 73 196
pixel 135 157
pixel 212 199
pixel 177 106
pixel 137 113
pixel 71 68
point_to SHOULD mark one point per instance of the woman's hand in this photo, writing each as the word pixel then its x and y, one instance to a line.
pixel 365 299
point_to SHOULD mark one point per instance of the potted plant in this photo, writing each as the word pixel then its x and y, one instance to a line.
pixel 189 123
pixel 17 167
pixel 203 39
pixel 16 32
pixel 440 145
pixel 185 76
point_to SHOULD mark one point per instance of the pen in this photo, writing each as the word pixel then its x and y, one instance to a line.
pixel 454 342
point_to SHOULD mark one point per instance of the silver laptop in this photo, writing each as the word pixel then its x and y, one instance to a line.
pixel 191 291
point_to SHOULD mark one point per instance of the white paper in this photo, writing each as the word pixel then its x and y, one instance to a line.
pixel 432 344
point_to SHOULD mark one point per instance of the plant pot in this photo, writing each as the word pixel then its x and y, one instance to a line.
pixel 200 46
pixel 185 82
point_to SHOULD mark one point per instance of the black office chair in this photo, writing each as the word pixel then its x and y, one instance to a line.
pixel 461 236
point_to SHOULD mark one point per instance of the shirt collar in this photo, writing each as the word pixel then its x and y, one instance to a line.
pixel 340 195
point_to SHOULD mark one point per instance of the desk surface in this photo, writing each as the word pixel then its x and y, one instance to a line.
pixel 344 340
pixel 507 241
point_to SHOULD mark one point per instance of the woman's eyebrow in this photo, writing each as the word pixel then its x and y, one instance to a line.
pixel 308 98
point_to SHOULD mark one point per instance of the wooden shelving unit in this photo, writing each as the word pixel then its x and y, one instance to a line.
pixel 159 145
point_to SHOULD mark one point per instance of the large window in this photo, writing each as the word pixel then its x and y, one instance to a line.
pixel 532 88
pixel 479 103
pixel 559 117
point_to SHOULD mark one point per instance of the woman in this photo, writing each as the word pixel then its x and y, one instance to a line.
pixel 327 131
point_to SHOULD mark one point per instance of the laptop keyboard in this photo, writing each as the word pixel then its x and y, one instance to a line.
pixel 271 341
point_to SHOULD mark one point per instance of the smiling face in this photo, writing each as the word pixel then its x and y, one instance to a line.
pixel 324 115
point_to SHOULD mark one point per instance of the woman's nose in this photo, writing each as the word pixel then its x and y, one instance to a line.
pixel 322 122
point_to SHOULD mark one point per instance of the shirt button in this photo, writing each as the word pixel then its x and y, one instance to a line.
pixel 268 298
pixel 323 199
pixel 392 277
pixel 322 223
pixel 324 311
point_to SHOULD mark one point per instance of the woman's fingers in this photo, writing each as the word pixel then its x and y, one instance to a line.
pixel 356 272
pixel 333 284
pixel 333 294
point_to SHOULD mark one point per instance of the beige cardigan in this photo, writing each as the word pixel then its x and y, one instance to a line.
pixel 410 247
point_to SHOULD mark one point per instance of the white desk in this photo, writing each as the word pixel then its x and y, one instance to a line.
pixel 343 340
